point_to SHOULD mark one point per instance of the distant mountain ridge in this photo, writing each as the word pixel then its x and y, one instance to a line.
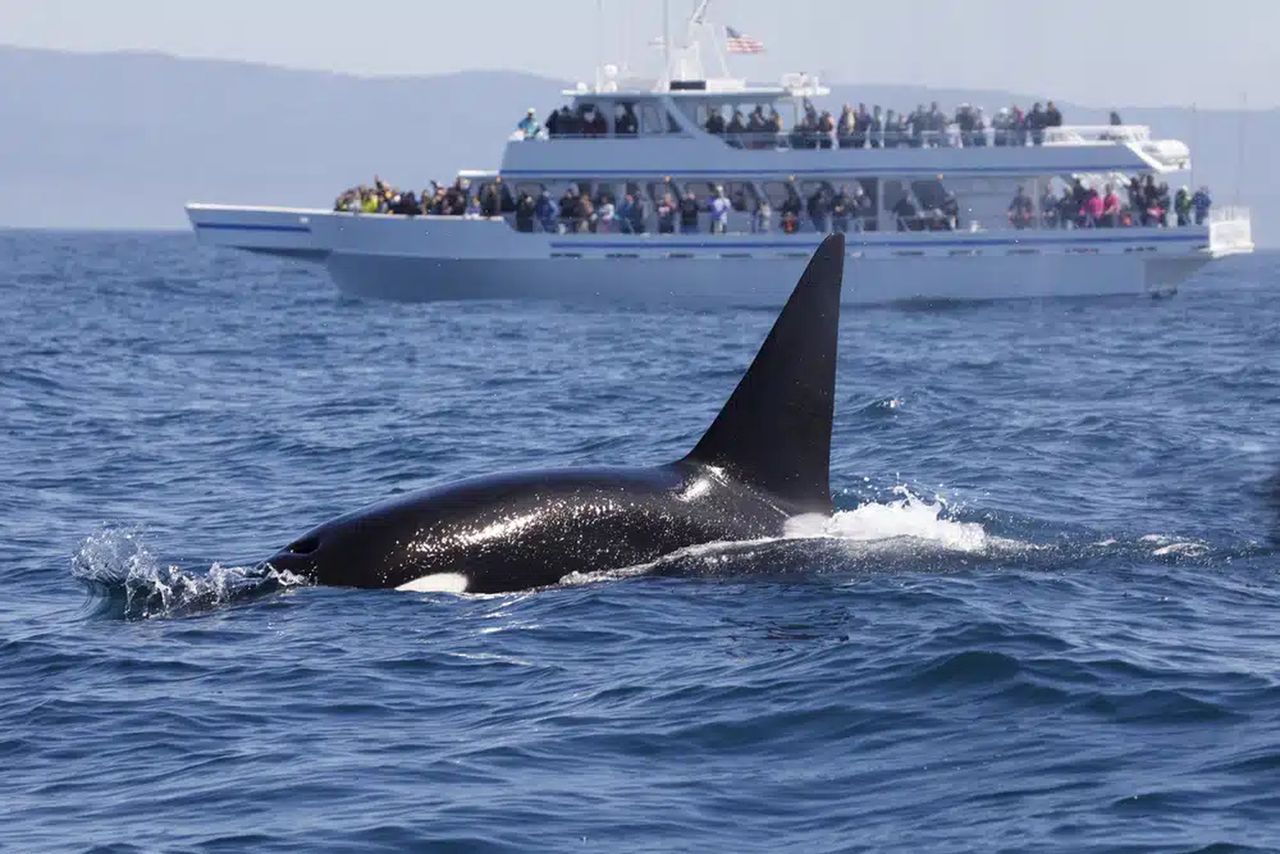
pixel 123 140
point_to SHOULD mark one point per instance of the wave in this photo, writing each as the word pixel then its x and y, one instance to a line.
pixel 117 564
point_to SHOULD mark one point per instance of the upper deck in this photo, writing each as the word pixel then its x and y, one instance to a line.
pixel 665 132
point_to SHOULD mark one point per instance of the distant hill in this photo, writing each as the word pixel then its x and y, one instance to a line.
pixel 122 140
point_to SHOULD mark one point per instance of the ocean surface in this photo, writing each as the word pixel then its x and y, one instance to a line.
pixel 1045 618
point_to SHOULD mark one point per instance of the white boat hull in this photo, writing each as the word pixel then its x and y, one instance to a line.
pixel 748 281
pixel 453 258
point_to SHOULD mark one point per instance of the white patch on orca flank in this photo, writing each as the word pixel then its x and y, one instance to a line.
pixel 439 582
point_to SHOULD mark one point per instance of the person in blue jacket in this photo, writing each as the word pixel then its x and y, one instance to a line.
pixel 547 211
pixel 529 125
pixel 1201 202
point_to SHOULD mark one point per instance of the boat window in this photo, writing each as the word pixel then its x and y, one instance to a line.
pixel 650 119
pixel 673 126
pixel 779 192
pixel 693 111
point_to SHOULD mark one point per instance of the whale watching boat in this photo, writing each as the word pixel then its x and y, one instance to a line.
pixel 642 190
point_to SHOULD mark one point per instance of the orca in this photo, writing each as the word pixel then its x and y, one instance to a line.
pixel 765 459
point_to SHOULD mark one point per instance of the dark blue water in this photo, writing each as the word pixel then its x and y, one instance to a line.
pixel 1047 616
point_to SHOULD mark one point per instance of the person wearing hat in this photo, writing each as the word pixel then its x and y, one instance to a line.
pixel 529 124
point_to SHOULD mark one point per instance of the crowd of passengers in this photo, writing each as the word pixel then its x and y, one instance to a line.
pixel 439 200
pixel 853 128
pixel 921 128
pixel 1146 203
pixel 579 212
pixel 682 213
pixel 842 209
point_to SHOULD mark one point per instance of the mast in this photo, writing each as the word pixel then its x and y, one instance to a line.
pixel 666 40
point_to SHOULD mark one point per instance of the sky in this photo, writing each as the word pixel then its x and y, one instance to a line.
pixel 1099 53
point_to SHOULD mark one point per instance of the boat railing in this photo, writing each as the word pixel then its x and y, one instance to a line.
pixel 1096 134
pixel 543 136
pixel 951 137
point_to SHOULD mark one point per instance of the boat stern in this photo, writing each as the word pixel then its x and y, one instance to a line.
pixel 1230 232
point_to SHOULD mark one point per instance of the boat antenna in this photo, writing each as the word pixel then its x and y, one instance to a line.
pixel 666 40
pixel 1244 126
pixel 599 46
pixel 1195 141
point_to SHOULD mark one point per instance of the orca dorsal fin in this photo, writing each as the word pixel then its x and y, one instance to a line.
pixel 775 431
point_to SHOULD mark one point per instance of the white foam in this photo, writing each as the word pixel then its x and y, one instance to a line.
pixel 439 582
pixel 1166 545
pixel 910 516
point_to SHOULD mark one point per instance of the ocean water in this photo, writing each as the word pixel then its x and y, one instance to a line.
pixel 1045 617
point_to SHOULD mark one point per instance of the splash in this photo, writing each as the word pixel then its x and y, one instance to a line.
pixel 1166 546
pixel 136 585
pixel 910 517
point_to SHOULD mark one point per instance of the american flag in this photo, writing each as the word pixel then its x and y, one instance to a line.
pixel 737 42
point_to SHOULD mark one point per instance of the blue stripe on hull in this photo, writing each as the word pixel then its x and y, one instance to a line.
pixel 237 226
pixel 807 245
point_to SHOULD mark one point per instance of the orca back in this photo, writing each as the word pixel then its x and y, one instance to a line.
pixel 774 433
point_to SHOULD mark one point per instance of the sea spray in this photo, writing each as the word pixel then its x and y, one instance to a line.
pixel 117 563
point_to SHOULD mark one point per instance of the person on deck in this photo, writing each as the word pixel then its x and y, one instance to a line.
pixel 689 210
pixel 526 211
pixel 737 127
pixel 1111 208
pixel 1091 211
pixel 1052 116
pixel 1201 201
pixel 1048 207
pixel 907 213
pixel 1021 209
pixel 529 124
pixel 875 127
pixel 667 209
pixel 606 214
pixel 1182 206
pixel 546 211
pixel 639 217
pixel 820 211
pixel 1036 122
pixel 840 210
pixel 715 121
pixel 720 207
pixel 569 210
pixel 846 126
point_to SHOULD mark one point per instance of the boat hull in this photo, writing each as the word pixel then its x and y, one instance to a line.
pixel 424 259
pixel 749 281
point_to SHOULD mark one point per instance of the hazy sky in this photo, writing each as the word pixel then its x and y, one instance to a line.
pixel 1096 52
